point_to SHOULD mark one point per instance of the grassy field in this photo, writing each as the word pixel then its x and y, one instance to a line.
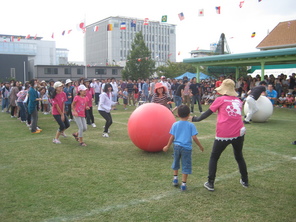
pixel 112 180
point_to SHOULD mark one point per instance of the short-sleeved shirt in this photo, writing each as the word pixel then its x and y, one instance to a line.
pixel 272 94
pixel 183 132
pixel 59 100
pixel 178 93
pixel 229 119
pixel 90 92
pixel 194 88
pixel 256 91
pixel 80 105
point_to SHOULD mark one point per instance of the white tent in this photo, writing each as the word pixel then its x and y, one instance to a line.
pixel 274 72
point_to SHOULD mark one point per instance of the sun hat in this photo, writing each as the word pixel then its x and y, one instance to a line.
pixel 68 81
pixel 57 84
pixel 82 87
pixel 162 77
pixel 159 85
pixel 227 88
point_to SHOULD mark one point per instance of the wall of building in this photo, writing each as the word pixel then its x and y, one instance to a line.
pixel 14 67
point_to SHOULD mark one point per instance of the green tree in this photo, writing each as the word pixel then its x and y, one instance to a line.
pixel 174 69
pixel 139 63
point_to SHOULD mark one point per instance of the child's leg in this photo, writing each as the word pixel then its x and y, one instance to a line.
pixel 184 178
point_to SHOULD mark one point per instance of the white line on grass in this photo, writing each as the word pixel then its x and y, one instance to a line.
pixel 98 211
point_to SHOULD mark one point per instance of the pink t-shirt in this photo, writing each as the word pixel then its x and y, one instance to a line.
pixel 229 119
pixel 80 105
pixel 59 100
pixel 90 92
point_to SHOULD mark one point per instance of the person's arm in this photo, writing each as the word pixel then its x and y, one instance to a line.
pixel 197 143
pixel 171 139
pixel 203 116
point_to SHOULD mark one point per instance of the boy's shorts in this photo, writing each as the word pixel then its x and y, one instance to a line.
pixel 183 155
pixel 125 101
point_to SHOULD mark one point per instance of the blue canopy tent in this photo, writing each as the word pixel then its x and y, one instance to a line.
pixel 191 75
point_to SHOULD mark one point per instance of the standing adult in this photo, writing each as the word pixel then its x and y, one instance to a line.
pixel 90 119
pixel 160 95
pixel 32 105
pixel 12 98
pixel 229 130
pixel 291 82
pixel 68 89
pixel 5 94
pixel 196 92
pixel 254 95
pixel 96 84
pixel 105 106
pixel 115 90
pixel 130 90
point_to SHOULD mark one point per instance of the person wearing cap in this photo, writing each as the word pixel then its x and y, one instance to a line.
pixel 33 100
pixel 230 129
pixel 254 95
pixel 69 90
pixel 160 95
pixel 105 106
pixel 79 105
pixel 164 82
pixel 59 98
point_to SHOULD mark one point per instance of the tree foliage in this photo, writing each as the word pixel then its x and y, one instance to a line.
pixel 174 69
pixel 139 63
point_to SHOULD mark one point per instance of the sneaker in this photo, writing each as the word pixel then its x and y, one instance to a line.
pixel 56 141
pixel 209 186
pixel 175 182
pixel 94 125
pixel 294 143
pixel 244 184
pixel 3 111
pixel 183 188
pixel 105 135
pixel 70 120
pixel 37 131
pixel 246 122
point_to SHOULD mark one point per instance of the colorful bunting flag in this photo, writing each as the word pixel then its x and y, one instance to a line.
pixel 28 36
pixel 69 31
pixel 35 37
pixel 96 28
pixel 146 21
pixel 259 0
pixel 181 16
pixel 63 33
pixel 164 18
pixel 201 12
pixel 241 4
pixel 218 9
pixel 109 27
pixel 52 35
pixel 12 38
pixel 179 53
pixel 19 38
pixel 253 34
pixel 133 23
pixel 123 26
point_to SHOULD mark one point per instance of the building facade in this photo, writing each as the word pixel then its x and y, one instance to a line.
pixel 109 41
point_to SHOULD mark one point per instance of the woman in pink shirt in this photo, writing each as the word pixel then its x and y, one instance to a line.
pixel 90 93
pixel 79 105
pixel 229 130
pixel 58 100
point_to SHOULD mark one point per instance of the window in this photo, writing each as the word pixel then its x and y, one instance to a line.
pixel 114 71
pixel 68 70
pixel 100 71
pixel 50 70
pixel 79 71
pixel 12 73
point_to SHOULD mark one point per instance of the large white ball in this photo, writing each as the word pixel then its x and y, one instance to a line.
pixel 265 109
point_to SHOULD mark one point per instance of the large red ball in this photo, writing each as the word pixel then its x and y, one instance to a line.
pixel 149 126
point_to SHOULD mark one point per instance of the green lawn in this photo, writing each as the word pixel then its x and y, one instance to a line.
pixel 112 180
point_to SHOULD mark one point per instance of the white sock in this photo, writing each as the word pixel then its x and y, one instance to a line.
pixel 175 177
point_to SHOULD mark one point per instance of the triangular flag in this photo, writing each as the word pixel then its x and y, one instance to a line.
pixel 109 27
pixel 52 35
pixel 12 38
pixel 146 21
pixel 179 53
pixel 69 31
pixel 201 12
pixel 181 16
pixel 133 23
pixel 218 9
pixel 35 37
pixel 123 26
pixel 19 38
pixel 96 28
pixel 63 33
pixel 241 4
pixel 28 36
pixel 253 34
pixel 164 18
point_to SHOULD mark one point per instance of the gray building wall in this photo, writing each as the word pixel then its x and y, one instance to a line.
pixel 112 47
pixel 75 72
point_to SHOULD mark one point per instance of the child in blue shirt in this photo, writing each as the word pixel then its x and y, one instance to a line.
pixel 182 134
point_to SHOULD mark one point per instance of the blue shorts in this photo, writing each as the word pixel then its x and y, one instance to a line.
pixel 183 155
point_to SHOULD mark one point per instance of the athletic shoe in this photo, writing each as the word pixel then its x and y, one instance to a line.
pixel 175 182
pixel 56 141
pixel 104 129
pixel 183 188
pixel 105 135
pixel 94 125
pixel 294 143
pixel 3 111
pixel 37 131
pixel 209 186
pixel 244 184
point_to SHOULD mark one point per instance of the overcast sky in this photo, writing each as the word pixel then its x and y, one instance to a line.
pixel 43 17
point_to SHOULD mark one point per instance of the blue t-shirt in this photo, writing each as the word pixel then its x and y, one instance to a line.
pixel 183 132
pixel 272 94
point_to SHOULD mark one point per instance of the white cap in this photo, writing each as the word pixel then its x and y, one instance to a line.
pixel 57 84
pixel 68 81
pixel 82 87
